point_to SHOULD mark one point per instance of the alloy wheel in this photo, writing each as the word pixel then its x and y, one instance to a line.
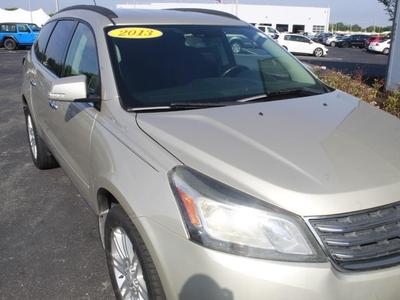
pixel 127 268
pixel 31 137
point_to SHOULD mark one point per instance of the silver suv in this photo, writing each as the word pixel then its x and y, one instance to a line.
pixel 214 175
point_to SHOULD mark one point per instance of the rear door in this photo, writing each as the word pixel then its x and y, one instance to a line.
pixel 359 40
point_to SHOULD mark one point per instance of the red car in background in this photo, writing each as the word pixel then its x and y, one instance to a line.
pixel 375 39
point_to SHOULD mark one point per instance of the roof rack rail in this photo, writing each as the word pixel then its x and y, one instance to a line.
pixel 207 11
pixel 99 9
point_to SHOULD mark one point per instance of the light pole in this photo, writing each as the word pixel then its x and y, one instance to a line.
pixel 30 10
pixel 56 5
pixel 237 7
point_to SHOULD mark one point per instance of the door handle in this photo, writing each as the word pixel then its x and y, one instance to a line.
pixel 53 104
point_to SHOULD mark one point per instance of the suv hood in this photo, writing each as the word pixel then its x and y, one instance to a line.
pixel 316 155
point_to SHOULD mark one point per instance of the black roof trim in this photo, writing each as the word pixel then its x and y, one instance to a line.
pixel 98 9
pixel 207 11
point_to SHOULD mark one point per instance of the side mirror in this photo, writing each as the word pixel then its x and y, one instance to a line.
pixel 70 89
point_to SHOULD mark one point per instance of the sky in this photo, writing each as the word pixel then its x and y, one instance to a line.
pixel 361 12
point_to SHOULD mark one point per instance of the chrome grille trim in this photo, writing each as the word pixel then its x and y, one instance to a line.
pixel 364 240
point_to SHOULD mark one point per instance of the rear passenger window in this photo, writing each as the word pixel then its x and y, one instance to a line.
pixel 8 28
pixel 55 49
pixel 82 57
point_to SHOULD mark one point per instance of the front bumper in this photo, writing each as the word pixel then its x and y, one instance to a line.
pixel 190 271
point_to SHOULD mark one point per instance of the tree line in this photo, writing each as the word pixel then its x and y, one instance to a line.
pixel 334 27
pixel 390 6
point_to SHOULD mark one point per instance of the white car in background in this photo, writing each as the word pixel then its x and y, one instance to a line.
pixel 269 30
pixel 296 43
pixel 383 46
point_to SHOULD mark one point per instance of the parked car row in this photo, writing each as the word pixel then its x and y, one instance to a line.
pixel 352 40
pixel 373 43
pixel 296 43
pixel 344 41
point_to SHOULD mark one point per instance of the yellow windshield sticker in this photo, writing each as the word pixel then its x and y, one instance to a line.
pixel 135 33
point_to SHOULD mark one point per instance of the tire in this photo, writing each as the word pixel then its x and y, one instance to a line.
pixel 346 45
pixel 318 52
pixel 41 157
pixel 333 44
pixel 236 47
pixel 132 271
pixel 10 44
pixel 386 51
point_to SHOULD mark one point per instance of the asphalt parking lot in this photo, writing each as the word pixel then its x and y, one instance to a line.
pixel 49 242
pixel 351 61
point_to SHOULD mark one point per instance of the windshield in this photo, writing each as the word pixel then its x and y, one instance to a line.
pixel 34 27
pixel 158 65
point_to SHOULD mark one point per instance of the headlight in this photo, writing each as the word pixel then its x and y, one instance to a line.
pixel 225 219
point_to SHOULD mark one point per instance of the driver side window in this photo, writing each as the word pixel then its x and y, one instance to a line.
pixel 23 28
pixel 304 40
pixel 82 57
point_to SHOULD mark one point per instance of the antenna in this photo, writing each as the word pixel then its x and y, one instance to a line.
pixel 95 2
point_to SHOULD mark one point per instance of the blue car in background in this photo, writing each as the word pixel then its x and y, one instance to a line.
pixel 18 35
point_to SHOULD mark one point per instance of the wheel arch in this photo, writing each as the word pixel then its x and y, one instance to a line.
pixel 105 200
pixel 9 37
pixel 386 50
pixel 235 40
pixel 318 52
pixel 24 101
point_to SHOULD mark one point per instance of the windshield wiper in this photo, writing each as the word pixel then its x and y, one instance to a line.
pixel 195 105
pixel 304 91
pixel 179 106
pixel 198 105
pixel 296 91
pixel 253 98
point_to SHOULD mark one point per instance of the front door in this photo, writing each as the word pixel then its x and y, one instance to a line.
pixel 68 125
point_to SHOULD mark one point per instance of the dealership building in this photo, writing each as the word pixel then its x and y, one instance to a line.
pixel 297 19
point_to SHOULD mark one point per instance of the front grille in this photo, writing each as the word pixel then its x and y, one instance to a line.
pixel 361 241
